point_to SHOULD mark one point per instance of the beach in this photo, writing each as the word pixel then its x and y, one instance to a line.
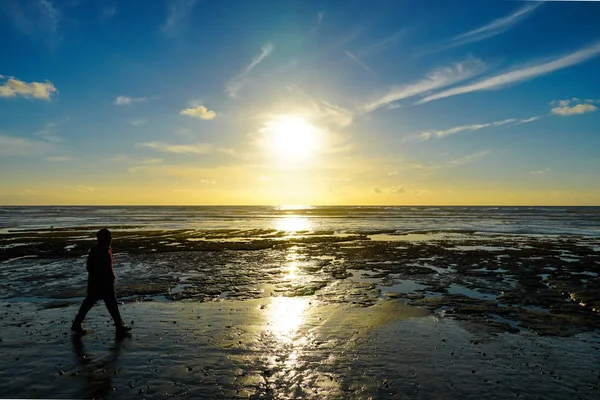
pixel 248 310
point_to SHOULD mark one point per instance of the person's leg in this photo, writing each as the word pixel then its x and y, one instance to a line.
pixel 110 300
pixel 86 306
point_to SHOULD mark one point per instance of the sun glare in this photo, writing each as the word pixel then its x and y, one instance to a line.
pixel 291 138
pixel 286 315
pixel 293 224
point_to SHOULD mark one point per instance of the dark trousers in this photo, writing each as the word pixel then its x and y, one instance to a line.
pixel 106 293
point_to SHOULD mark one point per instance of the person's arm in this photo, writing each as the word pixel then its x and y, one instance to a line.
pixel 91 260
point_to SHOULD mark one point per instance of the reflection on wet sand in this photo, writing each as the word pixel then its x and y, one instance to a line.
pixel 97 374
pixel 286 315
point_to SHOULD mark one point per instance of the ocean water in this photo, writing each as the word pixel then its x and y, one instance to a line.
pixel 339 219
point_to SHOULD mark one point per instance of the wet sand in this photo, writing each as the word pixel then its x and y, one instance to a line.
pixel 285 348
pixel 426 315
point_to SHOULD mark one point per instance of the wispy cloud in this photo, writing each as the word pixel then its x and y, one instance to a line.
pixel 138 122
pixel 237 82
pixel 126 159
pixel 541 171
pixel 199 148
pixel 519 75
pixel 359 61
pixel 431 167
pixel 188 149
pixel 320 16
pixel 178 13
pixel 11 146
pixel 398 190
pixel 436 79
pixel 471 128
pixel 108 10
pixel 199 112
pixel 38 19
pixel 58 159
pixel 124 100
pixel 50 131
pixel 581 106
pixel 493 28
pixel 468 158
pixel 386 43
pixel 34 90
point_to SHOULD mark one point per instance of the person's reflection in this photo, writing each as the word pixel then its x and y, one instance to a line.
pixel 97 374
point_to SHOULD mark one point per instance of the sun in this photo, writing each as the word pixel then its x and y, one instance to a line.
pixel 291 138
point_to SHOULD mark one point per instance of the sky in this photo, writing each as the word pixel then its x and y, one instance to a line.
pixel 234 102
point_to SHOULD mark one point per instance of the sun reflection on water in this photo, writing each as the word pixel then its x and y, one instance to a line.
pixel 286 315
pixel 293 224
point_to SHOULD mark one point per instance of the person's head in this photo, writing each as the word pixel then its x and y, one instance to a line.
pixel 104 237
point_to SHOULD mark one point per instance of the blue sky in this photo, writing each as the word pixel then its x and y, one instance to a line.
pixel 299 102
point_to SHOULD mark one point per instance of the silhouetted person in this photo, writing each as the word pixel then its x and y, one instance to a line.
pixel 101 284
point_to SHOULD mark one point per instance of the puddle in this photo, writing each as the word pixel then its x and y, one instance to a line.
pixel 481 248
pixel 402 286
pixel 496 271
pixel 415 237
pixel 362 276
pixel 458 289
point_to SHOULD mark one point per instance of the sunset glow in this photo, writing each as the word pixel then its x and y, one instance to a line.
pixel 349 104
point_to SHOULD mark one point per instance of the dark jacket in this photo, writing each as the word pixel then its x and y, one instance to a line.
pixel 100 267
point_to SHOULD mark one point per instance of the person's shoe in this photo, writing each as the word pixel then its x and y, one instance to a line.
pixel 78 329
pixel 123 331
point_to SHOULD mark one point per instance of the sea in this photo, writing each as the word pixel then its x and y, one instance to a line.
pixel 528 220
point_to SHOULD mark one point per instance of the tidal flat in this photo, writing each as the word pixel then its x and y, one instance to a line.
pixel 264 314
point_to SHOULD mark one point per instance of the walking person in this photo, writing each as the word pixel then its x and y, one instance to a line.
pixel 101 284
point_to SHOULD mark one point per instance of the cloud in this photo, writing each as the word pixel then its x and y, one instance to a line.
pixel 519 75
pixel 359 61
pixel 471 128
pixel 398 190
pixel 178 13
pixel 87 188
pixel 565 109
pixel 200 148
pixel 138 122
pixel 539 172
pixel 319 111
pixel 189 149
pixel 58 159
pixel 11 146
pixel 493 28
pixel 431 167
pixel 436 79
pixel 199 112
pixel 50 131
pixel 237 82
pixel 123 159
pixel 109 10
pixel 377 190
pixel 384 44
pixel 33 90
pixel 124 100
pixel 320 16
pixel 38 19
